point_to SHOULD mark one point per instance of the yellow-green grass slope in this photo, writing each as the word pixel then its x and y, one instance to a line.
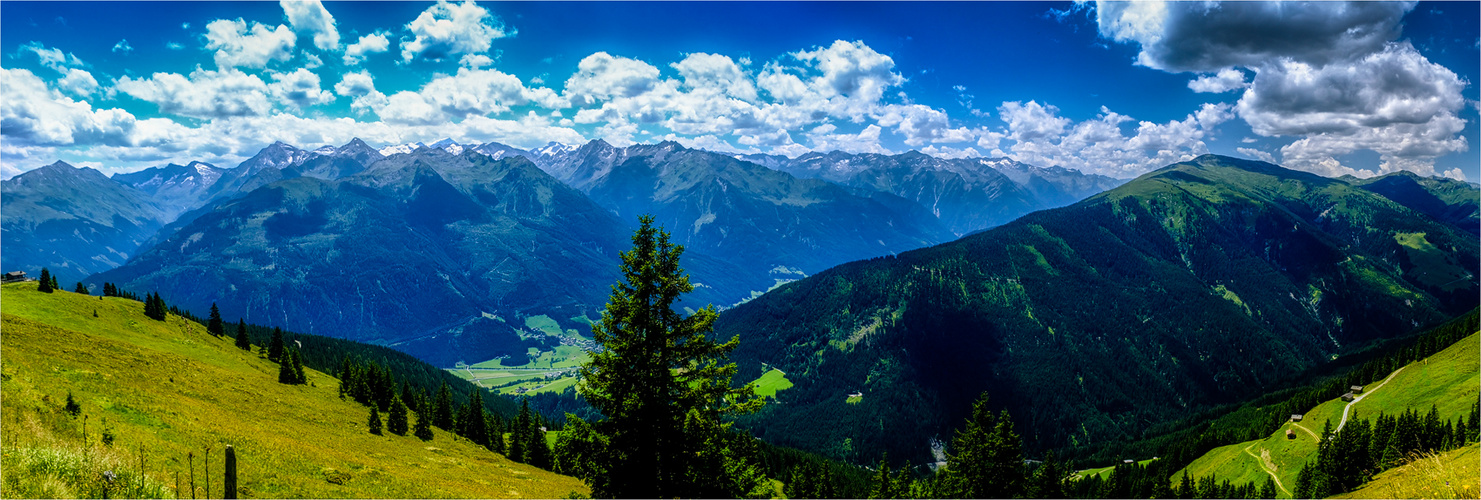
pixel 1448 380
pixel 172 389
pixel 1452 474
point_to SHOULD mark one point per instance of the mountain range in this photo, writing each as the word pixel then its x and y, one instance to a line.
pixel 75 221
pixel 1198 284
pixel 201 234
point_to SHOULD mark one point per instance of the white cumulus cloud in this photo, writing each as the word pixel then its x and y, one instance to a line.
pixel 238 45
pixel 299 88
pixel 309 18
pixel 204 94
pixel 373 43
pixel 1225 80
pixel 447 30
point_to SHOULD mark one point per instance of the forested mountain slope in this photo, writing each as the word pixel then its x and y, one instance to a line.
pixel 1197 284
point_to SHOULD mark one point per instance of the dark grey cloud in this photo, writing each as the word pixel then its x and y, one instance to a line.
pixel 1209 36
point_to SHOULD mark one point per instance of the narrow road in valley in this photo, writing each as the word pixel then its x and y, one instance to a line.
pixel 1267 466
pixel 1366 393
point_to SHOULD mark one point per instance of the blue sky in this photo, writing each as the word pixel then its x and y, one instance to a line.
pixel 1110 88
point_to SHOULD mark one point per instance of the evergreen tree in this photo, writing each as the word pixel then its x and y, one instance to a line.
pixel 409 398
pixel 1269 489
pixel 375 421
pixel 213 325
pixel 496 434
pixel 298 376
pixel 396 419
pixel 286 374
pixel 346 374
pixel 518 434
pixel 54 285
pixel 72 408
pixel 80 289
pixel 275 347
pixel 442 408
pixel 987 461
pixel 423 427
pixel 149 305
pixel 663 385
pixel 883 484
pixel 475 423
pixel 243 341
pixel 537 450
pixel 1046 481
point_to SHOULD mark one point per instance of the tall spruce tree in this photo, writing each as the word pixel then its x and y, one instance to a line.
pixel 517 432
pixel 496 434
pixel 286 375
pixel 80 289
pixel 275 346
pixel 396 417
pixel 663 385
pixel 374 424
pixel 213 324
pixel 442 408
pixel 423 429
pixel 243 341
pixel 54 285
pixel 475 423
pixel 298 376
pixel 44 283
pixel 987 457
pixel 537 450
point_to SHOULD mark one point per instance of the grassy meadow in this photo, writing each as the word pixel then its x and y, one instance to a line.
pixel 1449 380
pixel 172 397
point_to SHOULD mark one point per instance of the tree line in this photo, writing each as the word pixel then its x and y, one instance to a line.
pixel 1349 458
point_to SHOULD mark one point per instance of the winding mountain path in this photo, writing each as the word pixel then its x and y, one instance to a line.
pixel 1366 393
pixel 1267 465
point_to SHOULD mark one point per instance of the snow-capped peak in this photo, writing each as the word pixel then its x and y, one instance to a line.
pixel 553 149
pixel 326 150
pixel 401 148
pixel 448 145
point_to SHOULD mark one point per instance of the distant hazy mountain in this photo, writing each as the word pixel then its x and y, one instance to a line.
pixel 765 222
pixel 175 189
pixel 1198 284
pixel 420 245
pixel 968 194
pixel 74 221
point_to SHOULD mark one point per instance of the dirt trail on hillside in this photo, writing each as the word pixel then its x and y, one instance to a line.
pixel 1266 465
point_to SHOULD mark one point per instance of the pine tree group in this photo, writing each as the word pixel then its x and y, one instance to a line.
pixel 44 285
pixel 442 408
pixel 80 289
pixel 290 369
pixel 155 308
pixel 988 459
pixel 1348 458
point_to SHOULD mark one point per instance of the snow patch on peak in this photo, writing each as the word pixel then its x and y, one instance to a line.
pixel 448 145
pixel 401 148
pixel 554 149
